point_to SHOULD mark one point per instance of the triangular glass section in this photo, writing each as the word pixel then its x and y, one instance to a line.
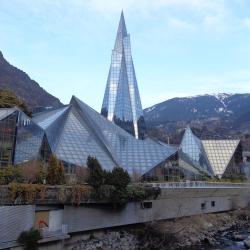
pixel 52 122
pixel 123 116
pixel 77 142
pixel 191 150
pixel 4 112
pixel 45 150
pixel 121 34
pixel 136 156
pixel 28 140
pixel 219 153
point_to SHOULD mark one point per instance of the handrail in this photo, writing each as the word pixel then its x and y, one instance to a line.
pixel 199 184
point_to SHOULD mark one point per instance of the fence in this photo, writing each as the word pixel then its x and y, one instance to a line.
pixel 199 184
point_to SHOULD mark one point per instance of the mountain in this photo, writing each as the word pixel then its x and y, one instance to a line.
pixel 221 115
pixel 17 81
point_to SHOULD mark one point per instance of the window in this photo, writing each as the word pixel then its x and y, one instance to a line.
pixel 212 203
pixel 203 206
pixel 146 204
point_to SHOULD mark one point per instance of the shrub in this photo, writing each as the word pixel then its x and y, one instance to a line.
pixel 56 175
pixel 29 239
pixel 118 178
pixel 140 192
pixel 23 193
pixel 10 174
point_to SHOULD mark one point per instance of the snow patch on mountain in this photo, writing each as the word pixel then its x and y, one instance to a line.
pixel 150 109
pixel 222 97
pixel 219 110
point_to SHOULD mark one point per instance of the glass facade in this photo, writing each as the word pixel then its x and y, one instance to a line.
pixel 29 137
pixel 20 137
pixel 77 131
pixel 192 153
pixel 214 157
pixel 224 155
pixel 121 103
pixel 8 120
pixel 85 132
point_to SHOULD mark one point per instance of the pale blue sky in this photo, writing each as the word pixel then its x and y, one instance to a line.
pixel 180 47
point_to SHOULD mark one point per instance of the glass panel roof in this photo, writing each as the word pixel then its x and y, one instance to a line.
pixel 191 150
pixel 86 132
pixel 6 112
pixel 135 155
pixel 219 153
pixel 28 140
pixel 45 119
pixel 77 142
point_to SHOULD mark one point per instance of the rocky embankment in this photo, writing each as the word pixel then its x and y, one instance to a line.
pixel 206 231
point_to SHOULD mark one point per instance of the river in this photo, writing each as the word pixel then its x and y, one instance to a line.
pixel 227 241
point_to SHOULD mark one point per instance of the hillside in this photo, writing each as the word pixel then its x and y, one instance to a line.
pixel 217 116
pixel 10 100
pixel 17 81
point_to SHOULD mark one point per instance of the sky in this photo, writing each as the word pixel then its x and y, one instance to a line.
pixel 179 47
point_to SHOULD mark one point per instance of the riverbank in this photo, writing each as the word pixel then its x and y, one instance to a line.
pixel 206 231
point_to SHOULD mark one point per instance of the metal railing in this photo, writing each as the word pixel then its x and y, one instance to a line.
pixel 199 184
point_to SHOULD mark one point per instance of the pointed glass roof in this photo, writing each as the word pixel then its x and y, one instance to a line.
pixel 192 151
pixel 45 119
pixel 219 153
pixel 135 155
pixel 85 132
pixel 4 112
pixel 121 103
pixel 28 139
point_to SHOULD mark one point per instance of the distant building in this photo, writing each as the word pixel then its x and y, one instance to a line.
pixel 121 102
pixel 222 158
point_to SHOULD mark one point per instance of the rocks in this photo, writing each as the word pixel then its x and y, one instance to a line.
pixel 113 240
pixel 238 237
pixel 247 244
pixel 196 232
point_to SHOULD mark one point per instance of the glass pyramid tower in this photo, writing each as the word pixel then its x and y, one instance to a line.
pixel 121 103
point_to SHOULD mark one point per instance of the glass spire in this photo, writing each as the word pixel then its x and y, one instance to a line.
pixel 121 103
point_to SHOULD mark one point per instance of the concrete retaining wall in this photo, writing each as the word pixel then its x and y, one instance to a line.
pixel 171 204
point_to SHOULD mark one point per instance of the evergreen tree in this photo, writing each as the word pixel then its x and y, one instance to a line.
pixel 118 178
pixel 96 174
